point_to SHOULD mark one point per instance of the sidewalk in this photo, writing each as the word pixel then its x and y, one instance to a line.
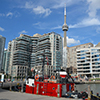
pixel 10 95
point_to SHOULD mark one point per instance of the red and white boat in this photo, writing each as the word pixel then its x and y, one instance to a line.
pixel 51 86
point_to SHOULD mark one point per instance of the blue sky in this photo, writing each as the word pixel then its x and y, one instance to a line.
pixel 43 16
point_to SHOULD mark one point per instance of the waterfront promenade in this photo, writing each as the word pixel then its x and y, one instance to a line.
pixel 10 95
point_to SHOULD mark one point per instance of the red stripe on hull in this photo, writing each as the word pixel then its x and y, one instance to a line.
pixel 29 89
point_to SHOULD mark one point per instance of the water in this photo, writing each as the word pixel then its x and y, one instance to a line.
pixel 83 87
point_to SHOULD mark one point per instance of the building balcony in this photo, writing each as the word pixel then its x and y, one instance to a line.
pixel 23 38
pixel 83 62
pixel 79 56
pixel 95 73
pixel 21 52
pixel 43 42
pixel 81 59
pixel 83 69
pixel 44 45
pixel 95 58
pixel 95 68
pixel 22 42
pixel 43 38
pixel 82 73
pixel 83 66
pixel 95 53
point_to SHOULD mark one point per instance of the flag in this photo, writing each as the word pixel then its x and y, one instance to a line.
pixel 47 60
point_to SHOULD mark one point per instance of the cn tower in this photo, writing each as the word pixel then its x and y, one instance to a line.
pixel 65 29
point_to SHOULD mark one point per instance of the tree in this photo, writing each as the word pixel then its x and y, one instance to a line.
pixel 18 77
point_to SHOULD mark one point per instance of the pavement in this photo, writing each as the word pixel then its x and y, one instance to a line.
pixel 10 95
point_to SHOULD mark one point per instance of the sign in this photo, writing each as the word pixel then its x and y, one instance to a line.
pixel 2 78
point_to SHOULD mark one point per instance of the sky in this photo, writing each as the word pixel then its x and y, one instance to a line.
pixel 43 16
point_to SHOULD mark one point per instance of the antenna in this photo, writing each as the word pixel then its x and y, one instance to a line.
pixel 65 9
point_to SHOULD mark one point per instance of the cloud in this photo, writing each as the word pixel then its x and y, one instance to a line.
pixel 28 5
pixel 1 29
pixel 83 23
pixel 38 23
pixel 61 3
pixel 58 27
pixel 22 32
pixel 37 9
pixel 41 10
pixel 98 30
pixel 71 41
pixel 86 22
pixel 9 14
pixel 92 19
pixel 41 25
pixel 94 5
pixel 2 14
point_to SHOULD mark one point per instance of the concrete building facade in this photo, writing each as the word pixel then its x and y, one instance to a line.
pixel 25 51
pixel 72 55
pixel 4 60
pixel 88 61
pixel 2 46
pixel 48 70
pixel 52 44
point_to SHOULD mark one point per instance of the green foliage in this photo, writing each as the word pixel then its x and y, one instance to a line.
pixel 96 79
pixel 10 77
pixel 18 77
pixel 30 73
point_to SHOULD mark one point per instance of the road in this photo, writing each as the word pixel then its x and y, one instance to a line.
pixel 10 95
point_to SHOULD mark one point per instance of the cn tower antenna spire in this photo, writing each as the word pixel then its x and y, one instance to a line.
pixel 65 9
pixel 65 27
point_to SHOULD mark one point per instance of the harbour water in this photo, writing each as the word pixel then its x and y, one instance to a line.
pixel 84 87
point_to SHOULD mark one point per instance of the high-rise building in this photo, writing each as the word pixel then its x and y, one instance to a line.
pixel 2 45
pixel 34 43
pixel 65 28
pixel 88 61
pixel 4 60
pixel 52 44
pixel 8 55
pixel 20 55
pixel 25 52
pixel 72 54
